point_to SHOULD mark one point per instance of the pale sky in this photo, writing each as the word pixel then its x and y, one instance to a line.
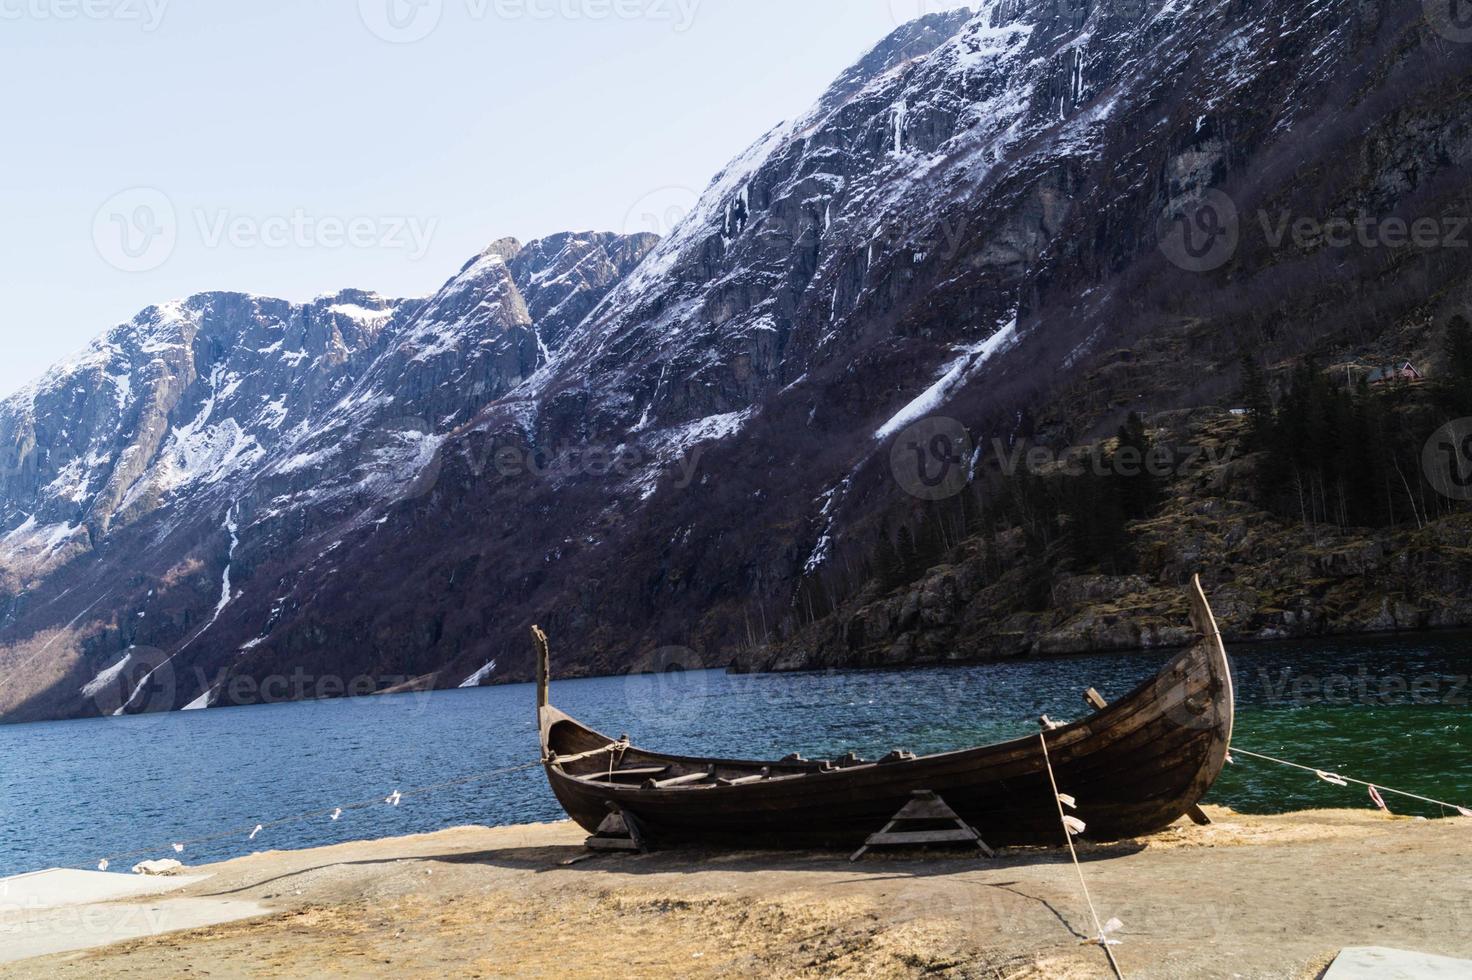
pixel 158 148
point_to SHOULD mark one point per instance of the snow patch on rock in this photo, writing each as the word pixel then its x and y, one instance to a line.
pixel 106 677
pixel 953 377
pixel 479 677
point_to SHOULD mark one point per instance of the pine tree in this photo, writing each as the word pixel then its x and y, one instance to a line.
pixel 931 547
pixel 1459 347
pixel 1097 524
pixel 909 555
pixel 888 567
pixel 1137 489
pixel 1255 399
pixel 1455 389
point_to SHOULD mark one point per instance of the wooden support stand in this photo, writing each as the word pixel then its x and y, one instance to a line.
pixel 619 831
pixel 1096 701
pixel 925 807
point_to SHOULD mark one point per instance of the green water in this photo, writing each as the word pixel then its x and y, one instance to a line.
pixel 1390 710
pixel 1425 750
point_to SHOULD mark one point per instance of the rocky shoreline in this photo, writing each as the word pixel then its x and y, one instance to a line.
pixel 928 625
pixel 1268 580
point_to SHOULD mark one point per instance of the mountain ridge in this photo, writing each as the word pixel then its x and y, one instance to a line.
pixel 968 222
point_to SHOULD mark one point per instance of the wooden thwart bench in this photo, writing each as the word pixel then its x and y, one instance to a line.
pixel 642 772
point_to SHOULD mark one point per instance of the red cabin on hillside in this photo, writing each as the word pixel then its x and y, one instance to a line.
pixel 1406 373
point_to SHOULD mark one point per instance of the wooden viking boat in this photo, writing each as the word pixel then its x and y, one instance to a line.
pixel 1134 767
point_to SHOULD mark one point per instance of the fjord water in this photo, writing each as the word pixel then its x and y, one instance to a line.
pixel 1385 708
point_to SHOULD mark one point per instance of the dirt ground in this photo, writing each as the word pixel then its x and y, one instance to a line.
pixel 1247 897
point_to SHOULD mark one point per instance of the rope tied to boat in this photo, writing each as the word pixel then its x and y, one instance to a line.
pixel 333 813
pixel 1336 779
pixel 618 747
pixel 1071 826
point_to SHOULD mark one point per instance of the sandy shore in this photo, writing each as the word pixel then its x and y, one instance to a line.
pixel 1247 897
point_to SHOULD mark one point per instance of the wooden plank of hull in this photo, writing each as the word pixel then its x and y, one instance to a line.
pixel 1135 767
pixel 1012 810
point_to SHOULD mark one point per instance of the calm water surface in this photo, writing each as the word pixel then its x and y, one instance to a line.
pixel 1391 709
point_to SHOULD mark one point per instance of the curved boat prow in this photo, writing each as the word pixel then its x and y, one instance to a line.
pixel 1223 698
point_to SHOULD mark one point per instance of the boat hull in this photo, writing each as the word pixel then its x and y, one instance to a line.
pixel 1134 768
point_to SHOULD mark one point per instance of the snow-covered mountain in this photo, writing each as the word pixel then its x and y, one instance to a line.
pixel 186 396
pixel 229 417
pixel 643 445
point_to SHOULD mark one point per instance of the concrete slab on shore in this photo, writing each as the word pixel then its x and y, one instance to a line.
pixel 1379 963
pixel 64 910
pixel 27 934
pixel 61 887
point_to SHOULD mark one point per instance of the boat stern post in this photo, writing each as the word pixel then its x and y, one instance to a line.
pixel 1204 620
pixel 539 640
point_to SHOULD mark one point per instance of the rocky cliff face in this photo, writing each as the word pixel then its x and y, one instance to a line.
pixel 642 451
pixel 1269 579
